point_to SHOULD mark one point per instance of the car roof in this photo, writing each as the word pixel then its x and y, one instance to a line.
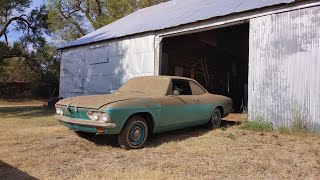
pixel 166 77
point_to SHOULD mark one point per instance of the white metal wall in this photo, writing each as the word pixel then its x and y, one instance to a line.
pixel 103 67
pixel 284 67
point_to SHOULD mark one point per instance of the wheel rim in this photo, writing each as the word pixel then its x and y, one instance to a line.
pixel 137 134
pixel 216 119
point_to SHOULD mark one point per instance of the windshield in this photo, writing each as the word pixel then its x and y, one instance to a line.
pixel 146 85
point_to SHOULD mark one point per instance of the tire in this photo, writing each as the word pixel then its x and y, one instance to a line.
pixel 85 134
pixel 215 119
pixel 134 134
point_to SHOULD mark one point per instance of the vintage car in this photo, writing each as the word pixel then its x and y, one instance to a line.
pixel 142 106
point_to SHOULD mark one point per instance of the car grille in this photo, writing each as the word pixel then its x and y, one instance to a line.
pixel 74 112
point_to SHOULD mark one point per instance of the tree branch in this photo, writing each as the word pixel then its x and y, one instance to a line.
pixel 78 27
pixel 17 18
pixel 99 7
pixel 86 11
pixel 6 38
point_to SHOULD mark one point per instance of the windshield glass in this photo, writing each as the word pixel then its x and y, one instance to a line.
pixel 146 85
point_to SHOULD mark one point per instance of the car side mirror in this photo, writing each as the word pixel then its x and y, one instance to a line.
pixel 176 93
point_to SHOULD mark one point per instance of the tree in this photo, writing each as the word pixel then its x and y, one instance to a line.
pixel 32 26
pixel 72 19
pixel 31 58
pixel 10 12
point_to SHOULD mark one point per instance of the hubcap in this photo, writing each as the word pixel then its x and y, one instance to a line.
pixel 216 120
pixel 137 134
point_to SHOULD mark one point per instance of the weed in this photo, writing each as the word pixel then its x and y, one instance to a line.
pixel 258 124
pixel 300 121
pixel 231 136
pixel 223 128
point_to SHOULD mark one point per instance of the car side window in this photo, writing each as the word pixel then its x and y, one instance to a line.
pixel 196 89
pixel 183 86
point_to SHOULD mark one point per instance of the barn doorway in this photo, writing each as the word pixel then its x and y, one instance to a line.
pixel 218 59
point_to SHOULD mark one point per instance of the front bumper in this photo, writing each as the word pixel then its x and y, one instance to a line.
pixel 89 123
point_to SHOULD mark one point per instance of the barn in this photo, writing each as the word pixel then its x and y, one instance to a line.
pixel 264 54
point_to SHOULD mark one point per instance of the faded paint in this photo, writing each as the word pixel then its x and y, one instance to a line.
pixel 169 112
pixel 103 67
pixel 284 67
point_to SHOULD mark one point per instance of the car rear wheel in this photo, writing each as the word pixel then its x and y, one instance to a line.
pixel 134 133
pixel 215 119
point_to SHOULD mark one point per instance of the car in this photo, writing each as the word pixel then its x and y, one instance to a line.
pixel 144 106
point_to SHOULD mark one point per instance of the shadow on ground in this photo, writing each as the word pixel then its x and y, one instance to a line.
pixel 9 172
pixel 26 112
pixel 161 138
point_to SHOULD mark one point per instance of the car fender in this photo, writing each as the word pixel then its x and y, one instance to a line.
pixel 121 111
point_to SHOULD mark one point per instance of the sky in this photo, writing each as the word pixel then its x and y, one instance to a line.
pixel 14 35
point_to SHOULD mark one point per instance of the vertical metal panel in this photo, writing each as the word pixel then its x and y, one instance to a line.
pixel 284 67
pixel 103 67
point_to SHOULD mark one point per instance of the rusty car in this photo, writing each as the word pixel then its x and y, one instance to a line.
pixel 143 106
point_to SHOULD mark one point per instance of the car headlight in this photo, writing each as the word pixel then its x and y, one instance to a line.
pixel 98 116
pixel 95 116
pixel 104 117
pixel 59 111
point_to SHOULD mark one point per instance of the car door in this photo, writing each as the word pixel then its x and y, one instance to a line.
pixel 178 110
pixel 203 106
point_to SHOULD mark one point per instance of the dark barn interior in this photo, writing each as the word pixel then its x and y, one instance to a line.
pixel 217 59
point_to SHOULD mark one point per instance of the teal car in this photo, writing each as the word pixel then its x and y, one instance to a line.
pixel 143 106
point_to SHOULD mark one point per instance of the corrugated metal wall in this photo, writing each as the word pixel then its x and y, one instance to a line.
pixel 103 67
pixel 284 67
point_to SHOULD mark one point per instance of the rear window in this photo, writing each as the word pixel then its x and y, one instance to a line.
pixel 196 89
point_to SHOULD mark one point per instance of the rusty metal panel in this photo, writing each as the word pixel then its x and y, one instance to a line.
pixel 103 67
pixel 284 67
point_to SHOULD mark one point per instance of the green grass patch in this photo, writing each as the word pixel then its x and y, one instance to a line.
pixel 258 124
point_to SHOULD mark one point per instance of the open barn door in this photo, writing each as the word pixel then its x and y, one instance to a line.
pixel 217 59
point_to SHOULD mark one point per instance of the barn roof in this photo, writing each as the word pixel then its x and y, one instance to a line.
pixel 171 14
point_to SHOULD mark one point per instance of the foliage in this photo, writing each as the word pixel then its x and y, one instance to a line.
pixel 71 19
pixel 12 11
pixel 31 59
pixel 258 124
pixel 41 69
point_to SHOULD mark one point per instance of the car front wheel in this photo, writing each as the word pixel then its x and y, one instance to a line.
pixel 134 133
pixel 215 120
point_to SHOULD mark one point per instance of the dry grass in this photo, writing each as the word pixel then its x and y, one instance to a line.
pixel 33 144
pixel 22 102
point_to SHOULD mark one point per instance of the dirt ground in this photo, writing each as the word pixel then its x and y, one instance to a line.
pixel 34 145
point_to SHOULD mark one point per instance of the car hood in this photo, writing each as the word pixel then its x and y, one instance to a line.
pixel 95 101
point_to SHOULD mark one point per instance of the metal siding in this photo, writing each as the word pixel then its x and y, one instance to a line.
pixel 284 67
pixel 172 14
pixel 103 67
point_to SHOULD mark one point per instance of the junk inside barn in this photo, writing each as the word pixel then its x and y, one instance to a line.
pixel 217 59
pixel 262 54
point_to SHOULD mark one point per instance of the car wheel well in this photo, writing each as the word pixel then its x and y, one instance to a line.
pixel 221 110
pixel 148 118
